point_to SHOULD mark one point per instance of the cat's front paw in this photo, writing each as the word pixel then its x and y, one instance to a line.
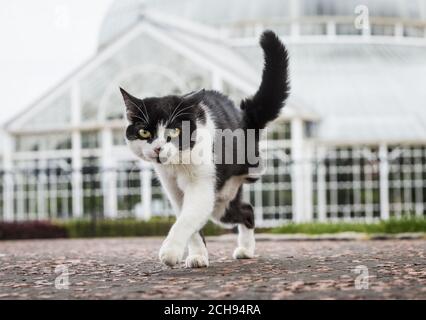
pixel 170 254
pixel 197 261
pixel 243 253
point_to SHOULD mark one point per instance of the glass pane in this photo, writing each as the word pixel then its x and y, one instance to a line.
pixel 55 113
pixel 347 29
pixel 382 30
pixel 279 131
pixel 118 137
pixel 313 28
pixel 129 191
pixel 40 142
pixel 310 129
pixel 414 31
pixel 90 140
pixel 92 188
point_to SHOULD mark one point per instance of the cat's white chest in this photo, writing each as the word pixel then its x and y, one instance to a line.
pixel 185 175
pixel 183 179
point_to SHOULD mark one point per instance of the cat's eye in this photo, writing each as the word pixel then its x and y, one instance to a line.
pixel 173 133
pixel 144 134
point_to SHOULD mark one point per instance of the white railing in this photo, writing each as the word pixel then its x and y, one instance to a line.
pixel 343 183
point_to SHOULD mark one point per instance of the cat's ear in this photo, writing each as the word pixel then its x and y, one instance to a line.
pixel 129 100
pixel 195 97
pixel 131 103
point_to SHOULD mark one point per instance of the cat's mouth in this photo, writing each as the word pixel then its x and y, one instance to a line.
pixel 159 159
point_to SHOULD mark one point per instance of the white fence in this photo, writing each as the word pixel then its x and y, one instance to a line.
pixel 337 183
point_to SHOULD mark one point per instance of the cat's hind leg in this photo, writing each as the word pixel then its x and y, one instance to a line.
pixel 242 214
pixel 246 243
pixel 246 240
pixel 198 256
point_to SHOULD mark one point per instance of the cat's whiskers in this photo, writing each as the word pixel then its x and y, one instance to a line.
pixel 179 113
pixel 132 115
pixel 146 111
pixel 183 109
pixel 174 110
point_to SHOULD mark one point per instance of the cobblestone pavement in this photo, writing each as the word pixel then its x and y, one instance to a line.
pixel 129 269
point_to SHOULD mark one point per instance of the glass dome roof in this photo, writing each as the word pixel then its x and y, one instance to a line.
pixel 125 13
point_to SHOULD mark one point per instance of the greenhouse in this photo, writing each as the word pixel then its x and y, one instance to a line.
pixel 349 145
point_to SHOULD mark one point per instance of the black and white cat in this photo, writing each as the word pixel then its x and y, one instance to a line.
pixel 180 136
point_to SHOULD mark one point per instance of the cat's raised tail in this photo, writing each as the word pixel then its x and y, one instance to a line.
pixel 267 102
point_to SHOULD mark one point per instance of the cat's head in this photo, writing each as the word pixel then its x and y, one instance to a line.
pixel 160 129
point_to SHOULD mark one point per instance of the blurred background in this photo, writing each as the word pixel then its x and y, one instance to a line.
pixel 350 146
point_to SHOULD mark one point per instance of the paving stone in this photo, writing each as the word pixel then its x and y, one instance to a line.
pixel 128 268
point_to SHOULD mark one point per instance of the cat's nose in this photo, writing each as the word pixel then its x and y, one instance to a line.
pixel 157 150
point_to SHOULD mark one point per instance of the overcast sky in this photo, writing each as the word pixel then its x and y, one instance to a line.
pixel 41 42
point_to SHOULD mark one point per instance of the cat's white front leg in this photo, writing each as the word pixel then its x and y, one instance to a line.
pixel 196 210
pixel 198 256
pixel 169 184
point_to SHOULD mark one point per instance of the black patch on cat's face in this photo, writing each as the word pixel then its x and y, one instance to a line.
pixel 172 111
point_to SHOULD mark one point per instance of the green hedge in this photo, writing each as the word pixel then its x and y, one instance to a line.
pixel 31 230
pixel 160 227
pixel 391 226
pixel 125 228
